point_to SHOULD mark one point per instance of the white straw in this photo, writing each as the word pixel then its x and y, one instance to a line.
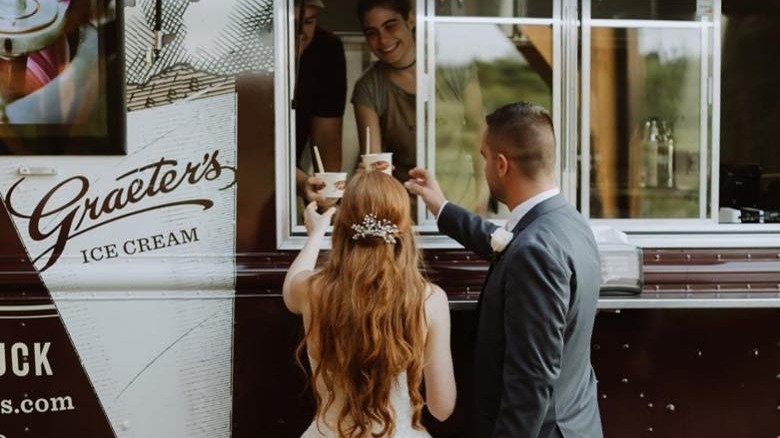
pixel 368 140
pixel 319 159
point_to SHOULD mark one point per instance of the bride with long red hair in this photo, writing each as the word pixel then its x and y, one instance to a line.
pixel 374 327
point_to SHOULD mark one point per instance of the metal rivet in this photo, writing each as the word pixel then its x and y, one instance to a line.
pixel 658 257
pixel 641 395
pixel 624 380
pixel 755 352
pixel 650 429
pixel 603 396
pixel 749 256
pixel 596 347
pixel 650 405
pixel 670 408
pixel 626 346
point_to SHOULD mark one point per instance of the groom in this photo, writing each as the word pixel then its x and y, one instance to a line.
pixel 536 311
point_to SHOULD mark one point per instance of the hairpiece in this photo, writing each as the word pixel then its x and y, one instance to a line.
pixel 373 227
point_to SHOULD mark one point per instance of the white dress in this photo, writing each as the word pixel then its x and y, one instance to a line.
pixel 325 426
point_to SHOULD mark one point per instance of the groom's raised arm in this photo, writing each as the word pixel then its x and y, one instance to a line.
pixel 469 229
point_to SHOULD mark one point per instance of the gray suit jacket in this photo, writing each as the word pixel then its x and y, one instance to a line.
pixel 533 373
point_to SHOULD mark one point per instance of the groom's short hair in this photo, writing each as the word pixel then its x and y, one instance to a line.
pixel 524 133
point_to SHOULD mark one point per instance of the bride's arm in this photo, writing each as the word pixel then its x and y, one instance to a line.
pixel 440 391
pixel 294 290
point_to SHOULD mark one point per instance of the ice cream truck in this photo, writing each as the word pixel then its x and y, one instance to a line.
pixel 149 208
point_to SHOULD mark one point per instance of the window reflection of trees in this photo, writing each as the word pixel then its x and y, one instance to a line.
pixel 480 67
pixel 641 77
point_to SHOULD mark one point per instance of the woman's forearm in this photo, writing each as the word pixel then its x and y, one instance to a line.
pixel 307 258
pixel 305 261
pixel 295 296
pixel 300 182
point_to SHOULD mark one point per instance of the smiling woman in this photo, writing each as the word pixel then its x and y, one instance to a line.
pixel 385 96
pixel 385 102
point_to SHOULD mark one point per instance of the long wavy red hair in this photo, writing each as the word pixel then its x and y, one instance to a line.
pixel 369 321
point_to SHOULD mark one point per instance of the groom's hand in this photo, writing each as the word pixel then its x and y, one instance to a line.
pixel 423 184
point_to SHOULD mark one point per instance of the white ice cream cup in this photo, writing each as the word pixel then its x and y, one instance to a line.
pixel 335 182
pixel 381 161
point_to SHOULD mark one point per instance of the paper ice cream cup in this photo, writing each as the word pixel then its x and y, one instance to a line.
pixel 382 162
pixel 335 182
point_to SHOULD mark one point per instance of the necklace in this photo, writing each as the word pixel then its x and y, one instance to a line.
pixel 410 65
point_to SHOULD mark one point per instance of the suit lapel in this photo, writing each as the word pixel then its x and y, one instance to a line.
pixel 543 207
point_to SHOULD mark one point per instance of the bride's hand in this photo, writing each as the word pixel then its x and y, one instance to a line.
pixel 316 223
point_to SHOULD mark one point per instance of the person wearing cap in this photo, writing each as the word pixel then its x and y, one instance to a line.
pixel 320 95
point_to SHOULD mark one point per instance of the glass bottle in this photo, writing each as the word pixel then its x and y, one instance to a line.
pixel 666 156
pixel 650 154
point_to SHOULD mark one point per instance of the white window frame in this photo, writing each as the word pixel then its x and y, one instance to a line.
pixel 706 231
pixel 426 32
pixel 570 123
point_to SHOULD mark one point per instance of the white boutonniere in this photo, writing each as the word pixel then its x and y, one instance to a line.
pixel 499 240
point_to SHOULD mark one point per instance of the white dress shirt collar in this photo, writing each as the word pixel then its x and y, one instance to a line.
pixel 524 207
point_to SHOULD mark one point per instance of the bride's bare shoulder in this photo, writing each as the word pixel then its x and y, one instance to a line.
pixel 435 298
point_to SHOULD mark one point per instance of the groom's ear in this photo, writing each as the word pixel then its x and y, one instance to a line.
pixel 502 164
